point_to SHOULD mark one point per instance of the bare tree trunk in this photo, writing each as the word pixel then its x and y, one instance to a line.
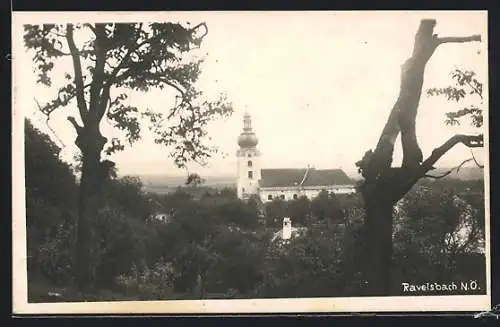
pixel 378 233
pixel 203 286
pixel 92 177
pixel 91 143
pixel 385 185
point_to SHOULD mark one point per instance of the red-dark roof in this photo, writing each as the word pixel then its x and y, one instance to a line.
pixel 293 177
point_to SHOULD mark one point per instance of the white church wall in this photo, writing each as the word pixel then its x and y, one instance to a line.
pixel 287 193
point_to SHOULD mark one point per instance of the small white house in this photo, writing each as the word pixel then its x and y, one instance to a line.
pixel 161 217
pixel 288 231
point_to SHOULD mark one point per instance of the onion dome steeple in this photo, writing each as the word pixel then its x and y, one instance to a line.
pixel 247 138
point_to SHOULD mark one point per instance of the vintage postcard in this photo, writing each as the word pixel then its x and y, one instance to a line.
pixel 250 162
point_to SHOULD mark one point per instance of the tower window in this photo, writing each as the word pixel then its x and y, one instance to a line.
pixel 295 196
pixel 282 196
pixel 269 197
pixel 250 174
pixel 249 163
pixel 243 190
pixel 249 155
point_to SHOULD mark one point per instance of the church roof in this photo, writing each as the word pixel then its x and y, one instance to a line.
pixel 293 177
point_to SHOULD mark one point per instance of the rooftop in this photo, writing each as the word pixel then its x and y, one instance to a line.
pixel 294 176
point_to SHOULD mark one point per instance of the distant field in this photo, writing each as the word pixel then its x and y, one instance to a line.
pixel 164 184
pixel 465 173
pixel 173 181
pixel 170 189
pixel 159 189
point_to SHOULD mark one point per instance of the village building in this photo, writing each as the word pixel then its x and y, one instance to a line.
pixel 284 184
pixel 288 232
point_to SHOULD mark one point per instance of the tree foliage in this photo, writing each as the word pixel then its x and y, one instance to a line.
pixel 466 87
pixel 111 60
pixel 321 263
pixel 51 199
pixel 326 206
pixel 42 155
pixel 214 247
pixel 114 58
pixel 438 232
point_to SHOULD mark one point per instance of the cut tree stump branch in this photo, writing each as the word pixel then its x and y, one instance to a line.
pixel 457 39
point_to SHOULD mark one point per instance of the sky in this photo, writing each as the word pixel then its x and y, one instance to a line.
pixel 318 85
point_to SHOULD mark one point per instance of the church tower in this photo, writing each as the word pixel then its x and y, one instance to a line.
pixel 248 161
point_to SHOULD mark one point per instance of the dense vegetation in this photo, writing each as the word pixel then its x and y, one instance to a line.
pixel 212 245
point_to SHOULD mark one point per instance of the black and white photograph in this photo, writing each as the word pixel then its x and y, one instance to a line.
pixel 250 162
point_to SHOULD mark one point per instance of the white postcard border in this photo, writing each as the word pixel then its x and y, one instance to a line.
pixel 354 304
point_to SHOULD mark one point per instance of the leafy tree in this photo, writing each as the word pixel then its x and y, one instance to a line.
pixel 194 180
pixel 125 239
pixel 436 232
pixel 326 206
pixel 152 283
pixel 275 211
pixel 187 241
pixel 242 264
pixel 299 210
pixel 118 244
pixel 208 240
pixel 47 175
pixel 384 185
pixel 51 196
pixel 112 60
pixel 126 193
pixel 319 264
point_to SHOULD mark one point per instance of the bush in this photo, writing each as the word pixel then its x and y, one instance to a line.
pixel 149 284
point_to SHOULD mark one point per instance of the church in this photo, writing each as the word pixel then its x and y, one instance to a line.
pixel 285 184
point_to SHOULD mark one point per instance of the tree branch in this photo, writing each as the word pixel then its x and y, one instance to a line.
pixel 139 45
pixel 473 157
pixel 450 171
pixel 127 56
pixel 80 97
pixel 91 27
pixel 438 177
pixel 59 52
pixel 459 39
pixel 47 114
pixel 77 127
pixel 163 79
pixel 198 26
pixel 98 78
pixel 413 176
pixel 471 141
pixel 105 98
